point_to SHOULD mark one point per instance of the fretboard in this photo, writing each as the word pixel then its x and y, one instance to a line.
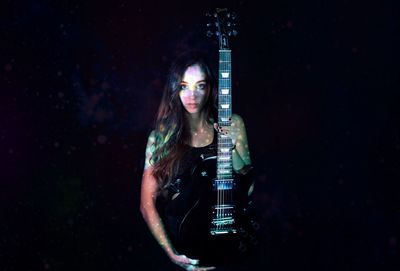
pixel 224 159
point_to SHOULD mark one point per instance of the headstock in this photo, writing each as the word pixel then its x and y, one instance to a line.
pixel 222 26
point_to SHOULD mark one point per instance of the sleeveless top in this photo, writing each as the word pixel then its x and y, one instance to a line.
pixel 191 157
pixel 166 206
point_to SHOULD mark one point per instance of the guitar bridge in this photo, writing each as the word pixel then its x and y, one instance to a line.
pixel 223 221
pixel 222 227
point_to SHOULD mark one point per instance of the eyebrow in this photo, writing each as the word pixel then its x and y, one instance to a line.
pixel 201 81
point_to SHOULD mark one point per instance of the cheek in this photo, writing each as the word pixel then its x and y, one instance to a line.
pixel 206 96
pixel 183 100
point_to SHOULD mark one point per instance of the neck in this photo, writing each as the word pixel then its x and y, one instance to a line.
pixel 196 121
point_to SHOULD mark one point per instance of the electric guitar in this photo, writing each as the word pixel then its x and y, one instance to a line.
pixel 213 221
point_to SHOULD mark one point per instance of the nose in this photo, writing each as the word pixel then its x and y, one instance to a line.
pixel 192 92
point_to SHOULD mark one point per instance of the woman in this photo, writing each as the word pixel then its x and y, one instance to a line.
pixel 184 128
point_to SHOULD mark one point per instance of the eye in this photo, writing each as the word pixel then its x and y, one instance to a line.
pixel 201 86
pixel 183 87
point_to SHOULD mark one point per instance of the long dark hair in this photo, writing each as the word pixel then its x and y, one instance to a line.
pixel 171 127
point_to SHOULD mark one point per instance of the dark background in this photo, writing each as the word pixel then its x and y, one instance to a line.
pixel 316 83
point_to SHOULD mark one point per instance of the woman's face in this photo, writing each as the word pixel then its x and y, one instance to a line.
pixel 194 89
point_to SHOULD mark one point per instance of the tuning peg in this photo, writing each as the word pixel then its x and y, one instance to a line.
pixel 217 33
pixel 208 14
pixel 232 33
pixel 208 24
pixel 209 33
pixel 233 15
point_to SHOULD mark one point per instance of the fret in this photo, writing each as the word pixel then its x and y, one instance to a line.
pixel 224 147
pixel 225 99
pixel 223 164
pixel 224 171
pixel 225 177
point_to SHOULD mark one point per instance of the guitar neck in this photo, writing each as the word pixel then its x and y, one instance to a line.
pixel 224 159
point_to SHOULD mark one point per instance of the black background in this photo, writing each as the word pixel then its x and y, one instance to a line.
pixel 316 83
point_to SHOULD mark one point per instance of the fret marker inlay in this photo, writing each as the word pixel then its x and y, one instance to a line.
pixel 225 91
pixel 225 106
pixel 225 74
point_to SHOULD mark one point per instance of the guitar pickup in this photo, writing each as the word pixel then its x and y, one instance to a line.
pixel 228 184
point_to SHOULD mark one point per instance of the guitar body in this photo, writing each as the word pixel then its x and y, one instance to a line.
pixel 189 216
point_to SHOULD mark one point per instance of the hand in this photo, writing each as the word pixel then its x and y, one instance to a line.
pixel 231 131
pixel 189 264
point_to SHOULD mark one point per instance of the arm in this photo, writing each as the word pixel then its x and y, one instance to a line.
pixel 240 154
pixel 148 198
pixel 149 211
pixel 241 161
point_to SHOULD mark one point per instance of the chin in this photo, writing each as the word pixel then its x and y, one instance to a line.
pixel 192 111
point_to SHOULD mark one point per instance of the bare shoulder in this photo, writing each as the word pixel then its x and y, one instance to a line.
pixel 237 120
pixel 152 136
pixel 151 140
pixel 150 147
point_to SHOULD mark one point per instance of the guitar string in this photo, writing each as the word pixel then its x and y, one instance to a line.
pixel 224 142
pixel 225 112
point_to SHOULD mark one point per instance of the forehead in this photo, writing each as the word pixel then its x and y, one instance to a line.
pixel 194 73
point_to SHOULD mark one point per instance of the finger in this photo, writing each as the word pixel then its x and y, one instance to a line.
pixel 194 262
pixel 187 260
pixel 216 127
pixel 188 267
